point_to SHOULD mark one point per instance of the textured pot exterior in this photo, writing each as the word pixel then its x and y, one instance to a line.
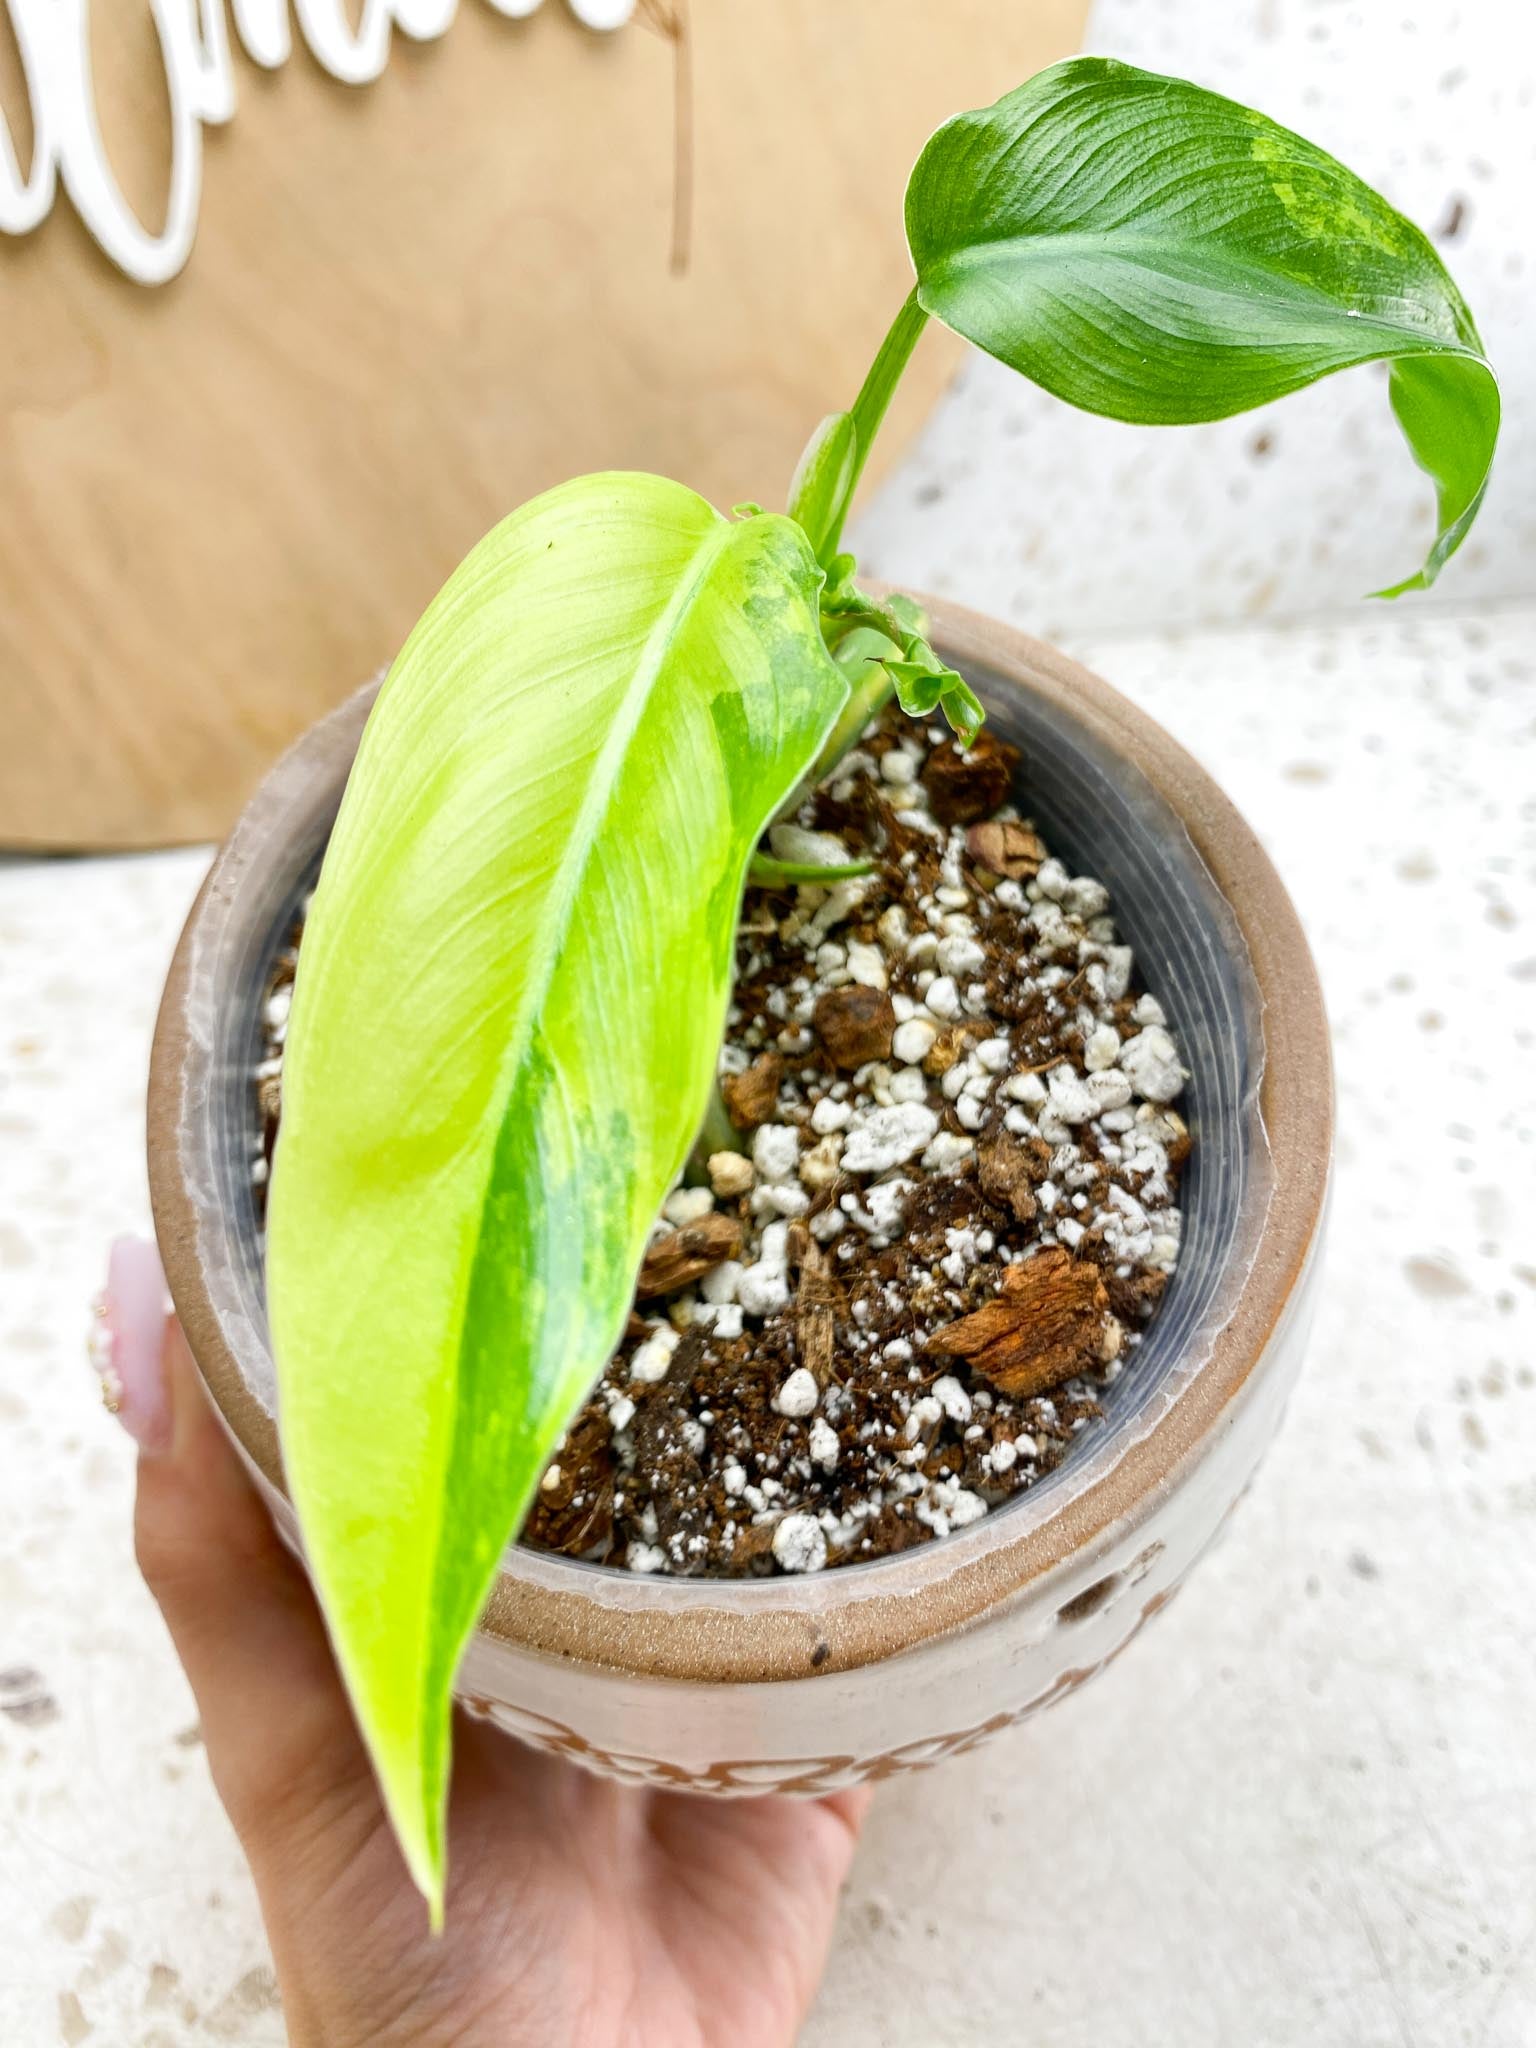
pixel 808 1684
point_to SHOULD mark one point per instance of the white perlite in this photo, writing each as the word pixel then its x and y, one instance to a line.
pixel 798 1395
pixel 960 957
pixel 823 1444
pixel 719 1284
pixel 687 1205
pixel 888 1137
pixel 650 1362
pixel 799 1545
pixel 810 849
pixel 914 1040
pixel 952 1398
pixel 943 998
pixel 885 1204
pixel 947 1151
pixel 1150 1061
pixel 829 1115
pixel 1101 1048
pixel 1068 1097
pixel 775 1149
pixel 763 1287
pixel 923 1415
pixel 866 964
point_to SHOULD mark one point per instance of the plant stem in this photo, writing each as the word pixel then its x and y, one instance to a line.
pixel 813 482
pixel 865 703
pixel 876 392
pixel 767 873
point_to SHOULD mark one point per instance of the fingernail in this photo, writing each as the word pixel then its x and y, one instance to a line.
pixel 128 1342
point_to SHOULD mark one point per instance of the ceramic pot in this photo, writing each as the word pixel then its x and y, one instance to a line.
pixel 807 1684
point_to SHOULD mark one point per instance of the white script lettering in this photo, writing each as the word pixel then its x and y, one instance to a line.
pixel 53 42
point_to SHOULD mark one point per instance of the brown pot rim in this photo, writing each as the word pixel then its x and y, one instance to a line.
pixel 764 1630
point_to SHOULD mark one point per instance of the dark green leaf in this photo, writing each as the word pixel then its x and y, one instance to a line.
pixel 1153 252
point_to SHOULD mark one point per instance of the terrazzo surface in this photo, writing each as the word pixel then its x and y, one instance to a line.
pixel 1299 1809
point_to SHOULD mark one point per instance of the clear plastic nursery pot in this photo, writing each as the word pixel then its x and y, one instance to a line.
pixel 806 1684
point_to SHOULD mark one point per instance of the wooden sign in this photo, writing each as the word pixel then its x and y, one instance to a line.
pixel 297 306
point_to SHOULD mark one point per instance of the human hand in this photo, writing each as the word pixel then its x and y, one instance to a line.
pixel 580 1913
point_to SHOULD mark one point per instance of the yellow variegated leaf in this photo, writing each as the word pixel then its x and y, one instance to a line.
pixel 510 1001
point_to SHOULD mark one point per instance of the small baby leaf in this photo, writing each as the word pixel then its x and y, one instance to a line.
pixel 926 686
pixel 875 662
pixel 509 1006
pixel 1153 252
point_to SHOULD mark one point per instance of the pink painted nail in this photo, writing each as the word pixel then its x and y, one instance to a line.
pixel 128 1342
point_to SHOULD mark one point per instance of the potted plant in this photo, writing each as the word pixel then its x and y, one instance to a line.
pixel 893 1156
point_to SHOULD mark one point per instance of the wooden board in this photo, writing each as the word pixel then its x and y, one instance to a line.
pixel 223 501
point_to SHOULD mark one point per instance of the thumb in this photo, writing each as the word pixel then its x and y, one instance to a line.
pixel 280 1738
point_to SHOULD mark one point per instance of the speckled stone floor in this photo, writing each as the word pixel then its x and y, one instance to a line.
pixel 1300 1809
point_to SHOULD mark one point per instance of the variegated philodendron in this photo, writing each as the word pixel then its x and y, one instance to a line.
pixel 511 992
